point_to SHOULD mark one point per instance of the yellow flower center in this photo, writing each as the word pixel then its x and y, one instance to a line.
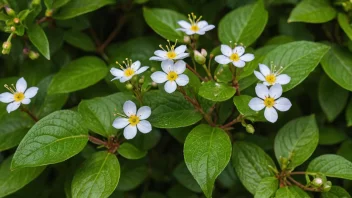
pixel 194 28
pixel 18 97
pixel 234 57
pixel 171 54
pixel 269 102
pixel 133 120
pixel 271 78
pixel 171 76
pixel 128 72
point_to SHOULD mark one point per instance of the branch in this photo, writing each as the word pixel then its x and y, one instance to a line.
pixel 303 186
pixel 24 109
pixel 112 35
pixel 97 141
pixel 234 121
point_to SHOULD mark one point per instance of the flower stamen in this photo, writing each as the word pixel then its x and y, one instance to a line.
pixel 235 57
pixel 133 120
pixel 172 76
pixel 269 102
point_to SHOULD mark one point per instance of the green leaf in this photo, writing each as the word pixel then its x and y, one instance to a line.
pixel 84 72
pixel 59 3
pixel 98 113
pixel 336 192
pixel 12 181
pixel 291 192
pixel 267 187
pixel 97 177
pixel 37 36
pixel 241 102
pixel 297 140
pixel 79 40
pixel 183 176
pixel 251 164
pixel 53 139
pixel 345 150
pixel 349 114
pixel 4 17
pixel 331 135
pixel 345 24
pixel 170 110
pixel 74 7
pixel 129 151
pixel 332 166
pixel 133 173
pixel 298 59
pixel 147 141
pixel 312 11
pixel 217 92
pixel 337 64
pixel 223 73
pixel 164 22
pixel 243 25
pixel 332 98
pixel 207 152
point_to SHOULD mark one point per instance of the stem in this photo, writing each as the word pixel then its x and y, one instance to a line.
pixel 303 186
pixel 112 35
pixel 195 72
pixel 208 72
pixel 97 141
pixel 24 109
pixel 234 121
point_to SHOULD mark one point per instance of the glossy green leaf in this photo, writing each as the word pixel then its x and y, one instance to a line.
pixel 244 24
pixel 332 166
pixel 217 92
pixel 331 135
pixel 84 72
pixel 291 192
pixel 267 187
pixel 53 139
pixel 183 176
pixel 59 3
pixel 312 11
pixel 207 152
pixel 38 37
pixel 97 177
pixel 241 102
pixel 223 73
pixel 297 140
pixel 345 24
pixel 336 192
pixel 129 151
pixel 79 40
pixel 133 173
pixel 349 114
pixel 147 141
pixel 251 164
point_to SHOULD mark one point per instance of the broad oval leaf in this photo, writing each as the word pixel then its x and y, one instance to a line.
pixel 297 140
pixel 251 164
pixel 164 22
pixel 217 92
pixel 243 25
pixel 337 64
pixel 332 166
pixel 336 192
pixel 241 102
pixel 53 139
pixel 184 177
pixel 298 59
pixel 345 24
pixel 38 37
pixel 291 192
pixel 12 181
pixel 133 173
pixel 207 152
pixel 312 11
pixel 78 74
pixel 329 135
pixel 97 177
pixel 267 187
pixel 129 151
pixel 79 40
pixel 170 110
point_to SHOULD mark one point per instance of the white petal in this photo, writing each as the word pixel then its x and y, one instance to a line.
pixel 184 24
pixel 247 57
pixel 179 67
pixel 116 72
pixel 283 104
pixel 125 78
pixel 239 50
pixel 170 86
pixel 144 126
pixel 264 69
pixel 130 132
pixel 167 65
pixel 129 108
pixel 275 91
pixel 239 63
pixel 135 66
pixel 180 49
pixel 160 53
pixel 283 79
pixel 12 106
pixel 270 114
pixel 182 80
pixel 266 84
pixel 26 101
pixel 142 69
pixel 200 32
pixel 202 24
pixel 256 104
pixel 144 112
pixel 156 58
pixel 31 92
pixel 120 123
pixel 221 59
pixel 262 91
pixel 182 29
pixel 182 56
pixel 259 76
pixel 6 97
pixel 159 77
pixel 21 85
pixel 226 50
pixel 189 32
pixel 207 28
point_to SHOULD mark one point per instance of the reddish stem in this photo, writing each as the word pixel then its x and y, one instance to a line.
pixel 24 109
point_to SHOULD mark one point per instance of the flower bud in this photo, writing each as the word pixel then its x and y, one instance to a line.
pixel 154 84
pixel 12 28
pixel 49 13
pixel 317 182
pixel 25 51
pixel 250 129
pixel 204 52
pixel 35 2
pixel 16 20
pixel 141 80
pixel 153 69
pixel 186 39
pixel 10 11
pixel 129 86
pixel 6 45
pixel 33 55
pixel 327 186
pixel 199 58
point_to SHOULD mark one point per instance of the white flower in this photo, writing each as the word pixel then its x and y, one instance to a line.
pixel 134 119
pixel 271 76
pixel 171 53
pixel 131 69
pixel 270 99
pixel 172 74
pixel 236 56
pixel 18 95
pixel 195 27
